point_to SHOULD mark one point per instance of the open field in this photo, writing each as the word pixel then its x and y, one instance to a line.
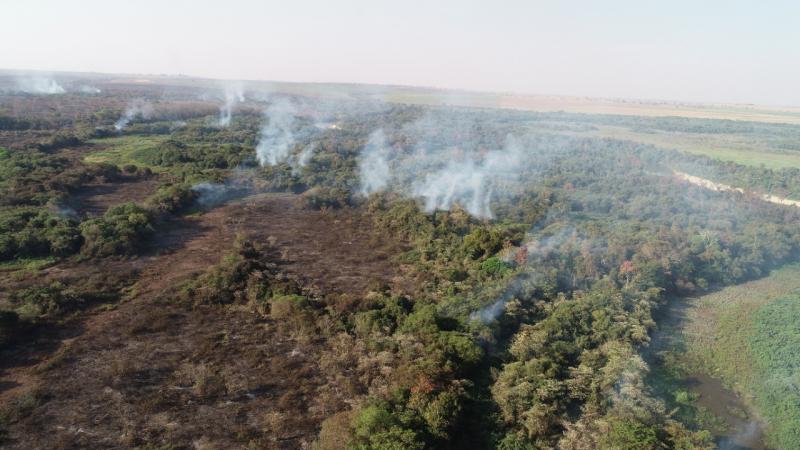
pixel 522 102
pixel 125 150
pixel 737 149
pixel 587 105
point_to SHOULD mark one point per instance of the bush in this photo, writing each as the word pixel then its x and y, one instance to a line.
pixel 318 198
pixel 376 428
pixel 59 141
pixel 121 231
pixel 335 432
pixel 284 307
pixel 241 276
pixel 32 232
pixel 49 301
pixel 171 199
pixel 496 267
pixel 629 435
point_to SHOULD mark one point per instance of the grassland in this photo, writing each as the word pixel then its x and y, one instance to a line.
pixel 124 150
pixel 28 263
pixel 550 103
pixel 774 342
pixel 735 148
pixel 738 148
pixel 747 336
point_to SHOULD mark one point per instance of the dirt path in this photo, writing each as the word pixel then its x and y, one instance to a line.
pixel 123 377
pixel 719 187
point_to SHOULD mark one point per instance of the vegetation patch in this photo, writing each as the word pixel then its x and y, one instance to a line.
pixel 128 149
pixel 774 343
pixel 743 335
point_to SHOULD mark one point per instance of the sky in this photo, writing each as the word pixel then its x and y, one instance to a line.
pixel 700 51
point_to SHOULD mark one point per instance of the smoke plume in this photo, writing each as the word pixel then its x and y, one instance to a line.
pixel 210 195
pixel 470 182
pixel 523 285
pixel 39 85
pixel 138 108
pixel 277 136
pixel 86 89
pixel 303 158
pixel 443 178
pixel 233 95
pixel 373 165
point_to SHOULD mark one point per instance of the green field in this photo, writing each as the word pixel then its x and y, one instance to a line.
pixel 736 148
pixel 747 336
pixel 774 341
pixel 124 150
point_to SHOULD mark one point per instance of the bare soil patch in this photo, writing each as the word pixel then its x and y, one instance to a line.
pixel 94 199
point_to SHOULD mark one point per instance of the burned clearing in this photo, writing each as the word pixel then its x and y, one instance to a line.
pixel 94 199
pixel 201 372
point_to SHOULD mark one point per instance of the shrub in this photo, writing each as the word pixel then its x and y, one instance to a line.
pixel 629 435
pixel 60 140
pixel 482 242
pixel 376 427
pixel 287 306
pixel 495 266
pixel 46 301
pixel 171 199
pixel 320 197
pixel 32 232
pixel 335 432
pixel 121 231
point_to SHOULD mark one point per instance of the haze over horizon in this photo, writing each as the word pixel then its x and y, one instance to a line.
pixel 727 52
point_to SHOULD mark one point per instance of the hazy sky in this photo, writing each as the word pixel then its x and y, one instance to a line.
pixel 734 51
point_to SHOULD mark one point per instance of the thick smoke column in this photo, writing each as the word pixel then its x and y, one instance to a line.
pixel 373 164
pixel 277 137
pixel 137 108
pixel 233 95
pixel 39 85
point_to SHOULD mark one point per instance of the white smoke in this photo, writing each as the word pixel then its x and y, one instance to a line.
pixel 523 285
pixel 447 164
pixel 277 137
pixel 138 108
pixel 373 164
pixel 470 182
pixel 39 85
pixel 86 89
pixel 490 313
pixel 210 195
pixel 749 436
pixel 233 95
pixel 303 158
